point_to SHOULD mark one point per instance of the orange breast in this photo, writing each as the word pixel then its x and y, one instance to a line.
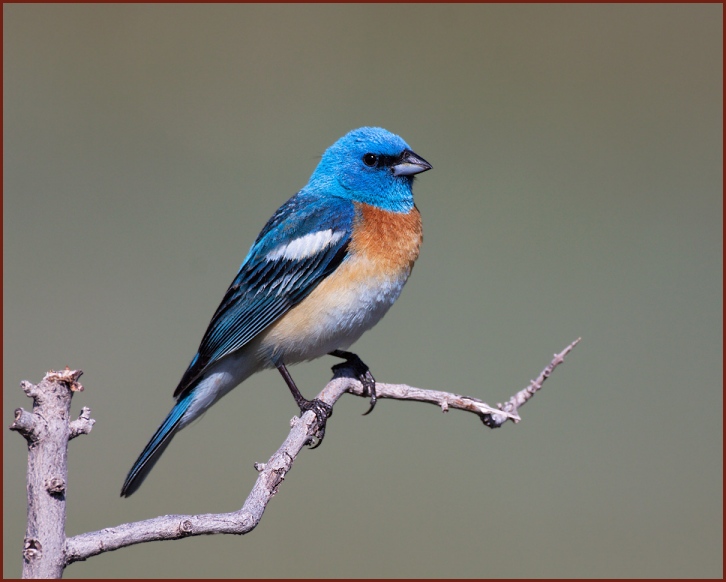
pixel 388 240
pixel 352 299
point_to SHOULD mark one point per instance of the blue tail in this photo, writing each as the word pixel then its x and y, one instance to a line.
pixel 156 446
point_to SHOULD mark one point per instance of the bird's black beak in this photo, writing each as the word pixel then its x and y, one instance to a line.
pixel 409 164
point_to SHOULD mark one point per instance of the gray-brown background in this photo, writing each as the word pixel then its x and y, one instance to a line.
pixel 576 190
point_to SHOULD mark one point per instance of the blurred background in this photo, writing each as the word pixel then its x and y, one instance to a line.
pixel 576 191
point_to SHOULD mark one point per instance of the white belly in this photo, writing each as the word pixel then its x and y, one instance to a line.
pixel 332 317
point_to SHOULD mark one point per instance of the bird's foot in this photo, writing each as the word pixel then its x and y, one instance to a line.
pixel 323 411
pixel 362 372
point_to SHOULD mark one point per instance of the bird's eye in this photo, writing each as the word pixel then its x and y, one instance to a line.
pixel 370 160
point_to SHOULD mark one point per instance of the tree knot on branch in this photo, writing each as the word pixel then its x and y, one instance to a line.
pixel 276 470
pixel 32 549
pixel 56 486
pixel 494 420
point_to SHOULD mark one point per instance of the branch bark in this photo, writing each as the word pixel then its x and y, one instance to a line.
pixel 47 551
pixel 47 431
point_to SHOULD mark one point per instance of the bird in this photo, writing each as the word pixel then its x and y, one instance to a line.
pixel 324 269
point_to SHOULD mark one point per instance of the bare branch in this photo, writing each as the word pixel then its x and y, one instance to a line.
pixel 171 527
pixel 493 417
pixel 523 396
pixel 47 431
pixel 83 424
pixel 272 473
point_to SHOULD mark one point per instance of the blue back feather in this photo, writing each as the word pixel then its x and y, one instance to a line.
pixel 263 289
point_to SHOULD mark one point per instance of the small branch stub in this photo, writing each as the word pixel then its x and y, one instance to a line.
pixel 25 423
pixel 83 424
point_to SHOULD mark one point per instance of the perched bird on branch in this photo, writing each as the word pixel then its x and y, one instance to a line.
pixel 325 268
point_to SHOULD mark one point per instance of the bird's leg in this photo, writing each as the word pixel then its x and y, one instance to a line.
pixel 362 372
pixel 322 410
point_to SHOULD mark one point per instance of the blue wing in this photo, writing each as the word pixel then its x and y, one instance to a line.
pixel 270 283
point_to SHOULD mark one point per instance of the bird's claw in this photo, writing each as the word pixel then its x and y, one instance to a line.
pixel 362 373
pixel 323 411
pixel 369 383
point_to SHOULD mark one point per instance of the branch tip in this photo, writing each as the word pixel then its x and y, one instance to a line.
pixel 67 376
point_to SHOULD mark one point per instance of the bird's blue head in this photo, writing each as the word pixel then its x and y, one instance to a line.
pixel 369 165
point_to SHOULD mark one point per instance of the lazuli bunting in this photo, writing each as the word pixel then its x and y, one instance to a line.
pixel 325 268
